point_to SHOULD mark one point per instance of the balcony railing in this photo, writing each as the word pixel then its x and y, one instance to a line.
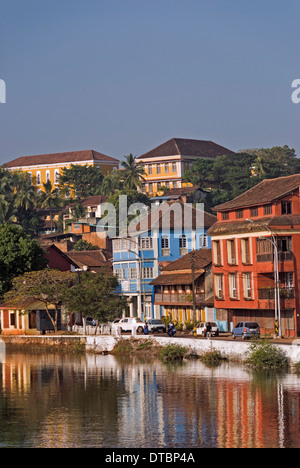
pixel 269 293
pixel 177 298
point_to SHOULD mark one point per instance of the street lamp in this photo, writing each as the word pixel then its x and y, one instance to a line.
pixel 276 274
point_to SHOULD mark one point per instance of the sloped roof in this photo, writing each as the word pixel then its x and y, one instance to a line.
pixel 60 158
pixel 182 216
pixel 92 259
pixel 187 147
pixel 267 191
pixel 180 271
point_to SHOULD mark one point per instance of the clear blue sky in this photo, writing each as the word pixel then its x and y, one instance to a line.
pixel 123 76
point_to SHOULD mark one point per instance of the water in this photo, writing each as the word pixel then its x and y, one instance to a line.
pixel 55 400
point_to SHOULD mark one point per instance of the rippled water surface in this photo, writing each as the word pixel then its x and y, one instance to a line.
pixel 54 400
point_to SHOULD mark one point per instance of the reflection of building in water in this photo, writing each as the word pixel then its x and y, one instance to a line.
pixel 67 401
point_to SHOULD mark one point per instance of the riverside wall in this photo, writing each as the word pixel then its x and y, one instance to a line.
pixel 233 350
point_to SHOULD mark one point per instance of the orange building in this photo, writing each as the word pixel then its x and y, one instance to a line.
pixel 243 244
pixel 166 164
pixel 48 167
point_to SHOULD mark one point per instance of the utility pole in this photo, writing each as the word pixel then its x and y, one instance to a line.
pixel 194 292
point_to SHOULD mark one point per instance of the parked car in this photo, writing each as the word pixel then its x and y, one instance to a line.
pixel 202 329
pixel 156 325
pixel 128 323
pixel 246 330
pixel 91 322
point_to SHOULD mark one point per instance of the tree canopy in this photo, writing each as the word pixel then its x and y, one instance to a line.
pixel 19 253
pixel 227 177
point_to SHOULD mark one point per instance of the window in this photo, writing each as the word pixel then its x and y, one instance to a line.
pixel 219 287
pixel 117 245
pixel 268 209
pixel 146 243
pixel 56 181
pixel 289 280
pixel 202 241
pixel 165 245
pixel 231 255
pixel 239 214
pixel 285 248
pixel 183 245
pixel 233 286
pixel 286 207
pixel 254 212
pixel 264 250
pixel 47 176
pixel 245 244
pixel 174 168
pixel 132 273
pixel 151 188
pixel 148 272
pixel 225 216
pixel 158 169
pixel 217 252
pixel 150 169
pixel 120 273
pixel 247 285
pixel 166 168
pixel 29 177
pixel 38 178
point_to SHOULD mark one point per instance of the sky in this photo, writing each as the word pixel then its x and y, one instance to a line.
pixel 123 76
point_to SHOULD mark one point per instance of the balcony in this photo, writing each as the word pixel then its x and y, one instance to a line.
pixel 177 298
pixel 266 298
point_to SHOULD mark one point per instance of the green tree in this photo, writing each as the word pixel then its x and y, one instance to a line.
pixel 80 181
pixel 82 245
pixel 19 253
pixel 50 199
pixel 46 286
pixel 94 296
pixel 133 172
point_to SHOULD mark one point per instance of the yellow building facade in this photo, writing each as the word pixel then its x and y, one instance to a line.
pixel 48 167
pixel 166 164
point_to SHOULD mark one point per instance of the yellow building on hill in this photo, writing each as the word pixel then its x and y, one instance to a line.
pixel 48 167
pixel 166 164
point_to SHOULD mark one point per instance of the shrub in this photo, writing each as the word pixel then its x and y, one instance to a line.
pixel 173 352
pixel 266 356
pixel 213 358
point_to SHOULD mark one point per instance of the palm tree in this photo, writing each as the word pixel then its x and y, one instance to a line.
pixel 133 173
pixel 49 199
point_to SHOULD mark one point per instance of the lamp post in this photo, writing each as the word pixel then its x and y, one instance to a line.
pixel 276 275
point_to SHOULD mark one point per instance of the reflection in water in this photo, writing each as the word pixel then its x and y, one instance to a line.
pixel 54 400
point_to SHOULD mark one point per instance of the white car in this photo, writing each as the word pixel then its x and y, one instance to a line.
pixel 127 324
pixel 202 329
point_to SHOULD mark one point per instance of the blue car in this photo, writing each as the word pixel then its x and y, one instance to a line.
pixel 246 330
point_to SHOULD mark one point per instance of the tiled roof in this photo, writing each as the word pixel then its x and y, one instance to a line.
pixel 187 147
pixel 258 225
pixel 202 258
pixel 60 158
pixel 180 271
pixel 93 259
pixel 183 216
pixel 175 279
pixel 267 191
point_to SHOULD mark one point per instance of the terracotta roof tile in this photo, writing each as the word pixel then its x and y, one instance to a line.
pixel 265 192
pixel 60 158
pixel 187 147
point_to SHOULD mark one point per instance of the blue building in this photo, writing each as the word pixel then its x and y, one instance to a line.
pixel 166 234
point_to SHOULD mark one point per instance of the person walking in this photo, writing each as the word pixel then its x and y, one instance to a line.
pixel 208 330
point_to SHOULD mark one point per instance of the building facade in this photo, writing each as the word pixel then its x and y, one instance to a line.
pixel 174 288
pixel 166 164
pixel 255 241
pixel 48 167
pixel 138 260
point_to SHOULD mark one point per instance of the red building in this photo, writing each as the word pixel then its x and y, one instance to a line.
pixel 244 255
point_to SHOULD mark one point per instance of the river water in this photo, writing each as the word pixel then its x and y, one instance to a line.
pixel 56 400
